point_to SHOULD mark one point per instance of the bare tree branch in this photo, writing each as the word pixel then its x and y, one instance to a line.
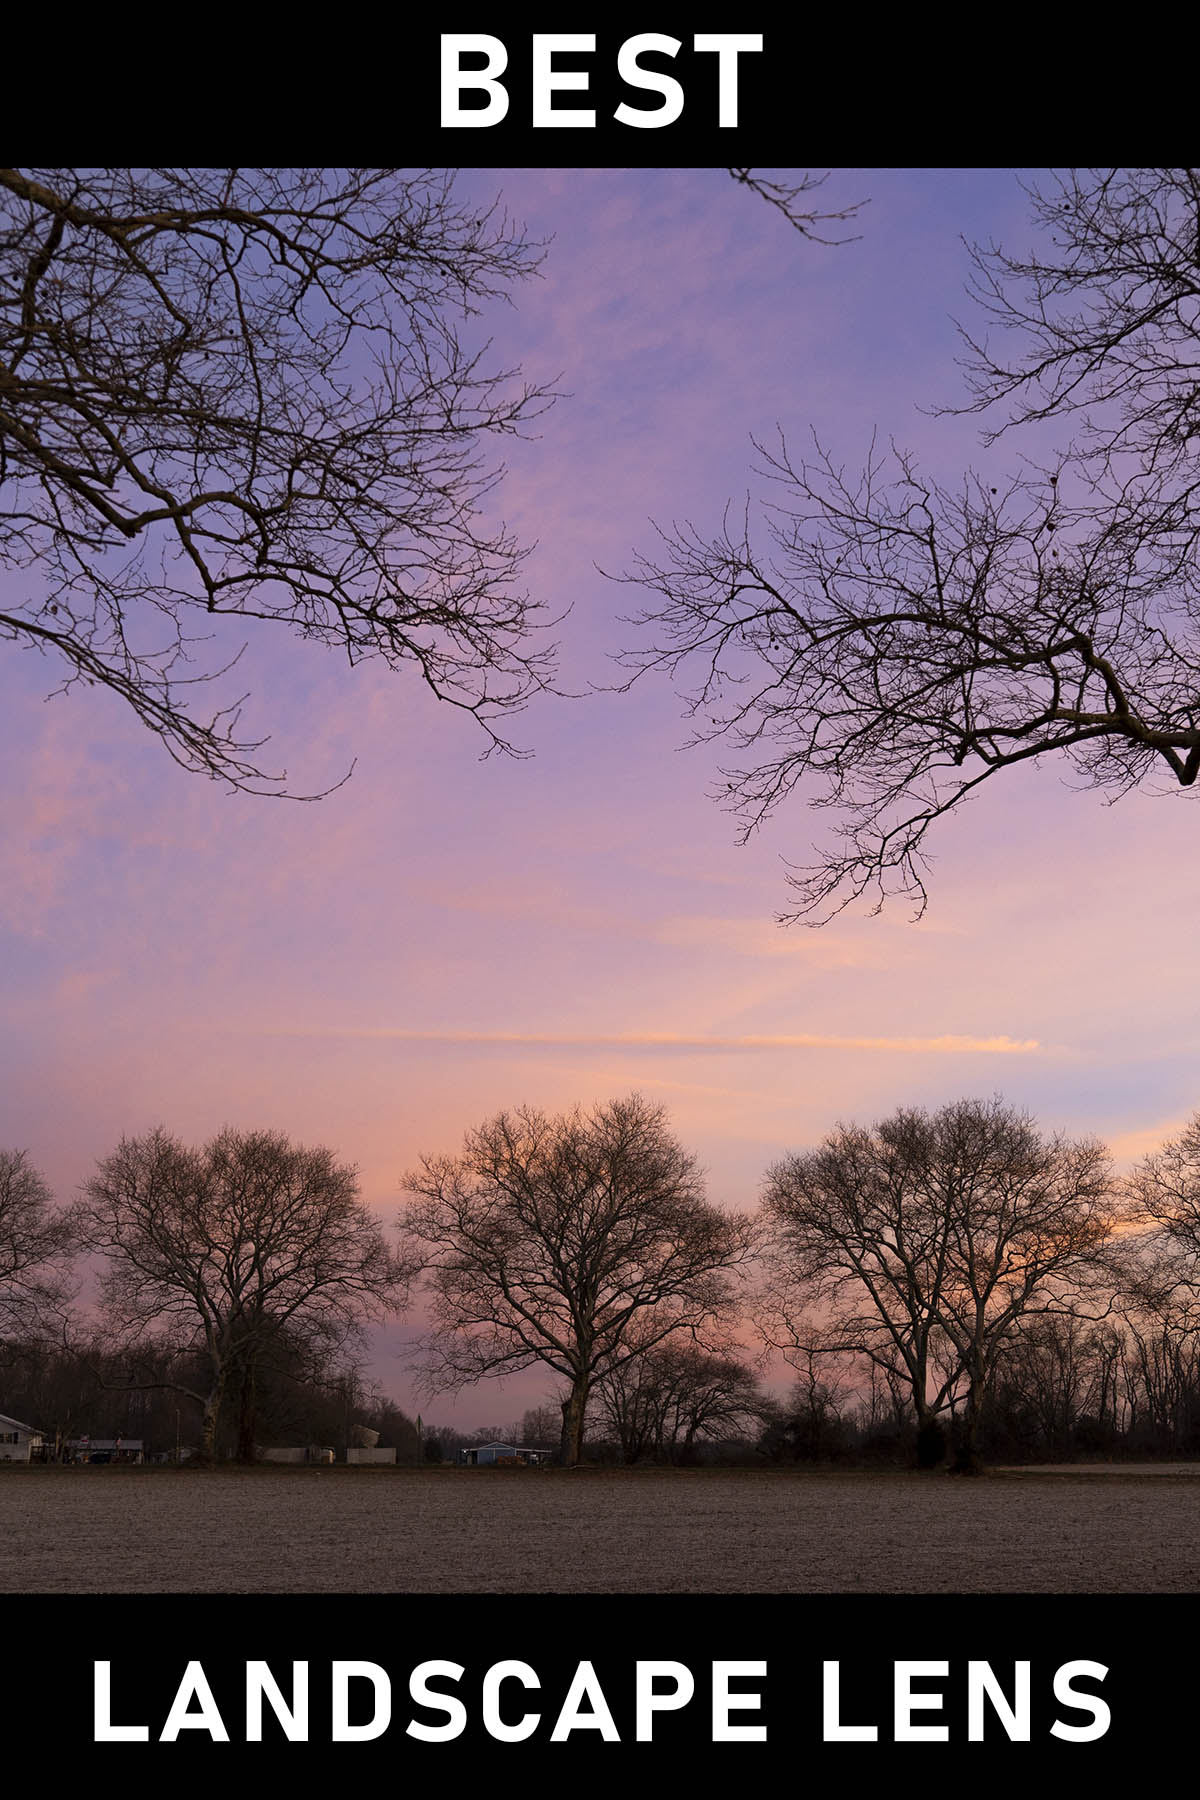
pixel 1102 325
pixel 37 1243
pixel 903 643
pixel 881 645
pixel 786 198
pixel 246 393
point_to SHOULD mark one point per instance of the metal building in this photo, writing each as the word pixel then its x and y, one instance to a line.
pixel 512 1455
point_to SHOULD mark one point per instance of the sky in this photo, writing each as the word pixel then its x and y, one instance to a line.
pixel 444 936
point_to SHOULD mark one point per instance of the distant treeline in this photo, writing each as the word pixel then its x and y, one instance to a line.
pixel 954 1284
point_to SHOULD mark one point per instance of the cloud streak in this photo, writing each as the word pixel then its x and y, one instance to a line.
pixel 670 1040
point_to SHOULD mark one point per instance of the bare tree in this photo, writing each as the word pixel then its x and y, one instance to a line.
pixel 1163 1380
pixel 1054 1389
pixel 922 1243
pixel 222 1252
pixel 540 1427
pixel 665 1401
pixel 36 1245
pixel 883 644
pixel 1028 1218
pixel 1157 1289
pixel 856 1259
pixel 245 392
pixel 632 1408
pixel 1164 1192
pixel 810 1424
pixel 553 1239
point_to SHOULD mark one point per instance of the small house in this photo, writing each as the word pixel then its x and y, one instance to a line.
pixel 18 1443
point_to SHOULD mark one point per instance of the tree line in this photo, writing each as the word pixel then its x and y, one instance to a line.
pixel 949 1280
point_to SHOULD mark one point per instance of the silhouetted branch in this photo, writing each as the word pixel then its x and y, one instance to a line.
pixel 244 393
pixel 786 198
pixel 900 643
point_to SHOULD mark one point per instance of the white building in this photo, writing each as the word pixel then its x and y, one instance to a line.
pixel 17 1441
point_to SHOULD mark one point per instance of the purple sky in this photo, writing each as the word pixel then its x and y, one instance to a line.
pixel 444 937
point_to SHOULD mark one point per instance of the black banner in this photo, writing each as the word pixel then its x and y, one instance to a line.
pixel 550 1681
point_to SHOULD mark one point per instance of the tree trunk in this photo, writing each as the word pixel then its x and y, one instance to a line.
pixel 967 1461
pixel 931 1434
pixel 931 1441
pixel 247 1416
pixel 573 1409
pixel 212 1410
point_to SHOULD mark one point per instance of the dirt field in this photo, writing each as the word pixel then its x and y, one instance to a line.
pixel 628 1531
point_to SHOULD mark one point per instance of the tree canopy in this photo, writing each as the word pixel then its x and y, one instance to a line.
pixel 921 1243
pixel 220 1252
pixel 578 1240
